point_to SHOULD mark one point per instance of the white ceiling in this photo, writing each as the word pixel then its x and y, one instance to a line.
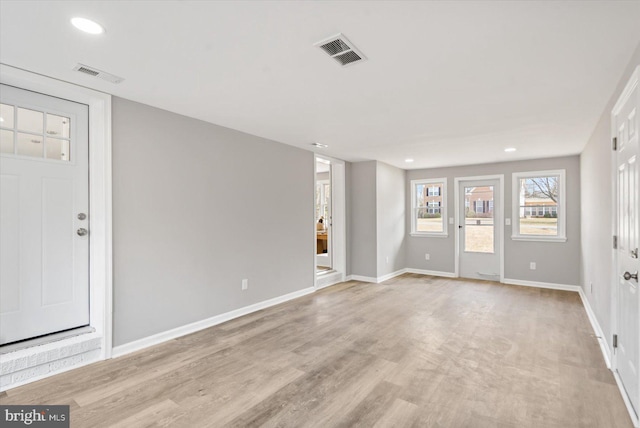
pixel 445 83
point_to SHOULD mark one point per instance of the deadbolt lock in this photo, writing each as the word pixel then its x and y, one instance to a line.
pixel 82 216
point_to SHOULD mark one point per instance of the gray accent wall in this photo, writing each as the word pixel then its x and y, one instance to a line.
pixel 597 186
pixel 557 262
pixel 363 219
pixel 197 208
pixel 391 213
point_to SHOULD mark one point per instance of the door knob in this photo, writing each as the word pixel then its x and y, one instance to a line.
pixel 627 276
pixel 82 231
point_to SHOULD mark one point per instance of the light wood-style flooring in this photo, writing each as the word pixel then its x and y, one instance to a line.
pixel 414 351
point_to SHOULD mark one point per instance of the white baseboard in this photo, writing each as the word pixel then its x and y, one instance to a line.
pixel 432 272
pixel 602 340
pixel 375 280
pixel 625 398
pixel 164 336
pixel 329 279
pixel 536 284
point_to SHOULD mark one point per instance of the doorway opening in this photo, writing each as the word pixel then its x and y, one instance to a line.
pixel 329 216
pixel 479 233
pixel 324 219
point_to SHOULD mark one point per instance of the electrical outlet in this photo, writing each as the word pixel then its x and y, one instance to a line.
pixel 591 287
pixel 532 265
pixel 387 259
pixel 245 284
pixel 427 256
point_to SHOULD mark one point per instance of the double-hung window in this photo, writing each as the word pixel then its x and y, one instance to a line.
pixel 429 207
pixel 539 208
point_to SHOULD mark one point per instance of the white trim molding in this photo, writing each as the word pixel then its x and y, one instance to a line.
pixel 602 340
pixel 432 273
pixel 100 212
pixel 561 206
pixel 536 284
pixel 174 333
pixel 443 208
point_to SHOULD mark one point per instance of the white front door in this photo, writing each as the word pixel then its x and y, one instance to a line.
pixel 626 125
pixel 44 206
pixel 478 219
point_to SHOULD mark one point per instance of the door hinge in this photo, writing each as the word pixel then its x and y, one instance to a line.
pixel 614 143
pixel 615 242
pixel 615 341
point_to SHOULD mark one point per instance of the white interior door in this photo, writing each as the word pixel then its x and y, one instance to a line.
pixel 627 356
pixel 479 206
pixel 44 203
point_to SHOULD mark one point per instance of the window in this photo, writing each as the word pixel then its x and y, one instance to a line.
pixel 479 206
pixel 428 201
pixel 539 206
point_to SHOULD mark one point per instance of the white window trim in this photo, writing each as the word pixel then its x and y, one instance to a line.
pixel 443 208
pixel 562 212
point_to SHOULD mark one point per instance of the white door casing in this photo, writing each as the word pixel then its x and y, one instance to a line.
pixel 324 259
pixel 474 264
pixel 44 286
pixel 626 129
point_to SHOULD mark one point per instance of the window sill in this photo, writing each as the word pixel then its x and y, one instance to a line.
pixel 539 238
pixel 429 235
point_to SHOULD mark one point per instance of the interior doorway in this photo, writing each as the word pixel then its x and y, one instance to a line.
pixel 479 232
pixel 324 224
pixel 329 216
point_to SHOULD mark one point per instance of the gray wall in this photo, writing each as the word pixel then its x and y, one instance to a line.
pixel 596 178
pixel 193 215
pixel 557 262
pixel 391 212
pixel 363 219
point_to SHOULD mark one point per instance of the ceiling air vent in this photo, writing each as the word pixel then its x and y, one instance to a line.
pixel 98 73
pixel 341 49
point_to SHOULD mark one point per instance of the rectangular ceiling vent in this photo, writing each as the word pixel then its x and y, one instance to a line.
pixel 98 73
pixel 341 49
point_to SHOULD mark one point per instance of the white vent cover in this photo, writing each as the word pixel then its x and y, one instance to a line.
pixel 98 73
pixel 341 49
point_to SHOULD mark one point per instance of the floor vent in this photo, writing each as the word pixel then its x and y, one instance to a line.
pixel 341 49
pixel 98 73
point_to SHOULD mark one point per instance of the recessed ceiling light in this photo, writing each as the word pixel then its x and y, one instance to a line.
pixel 322 146
pixel 87 25
pixel 510 149
pixel 408 160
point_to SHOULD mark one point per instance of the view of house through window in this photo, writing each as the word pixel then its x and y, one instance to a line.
pixel 428 206
pixel 479 225
pixel 538 205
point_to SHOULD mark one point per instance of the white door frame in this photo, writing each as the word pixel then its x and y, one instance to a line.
pixel 634 81
pixel 339 227
pixel 498 218
pixel 100 247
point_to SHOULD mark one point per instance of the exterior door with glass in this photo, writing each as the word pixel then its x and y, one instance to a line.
pixel 44 202
pixel 478 232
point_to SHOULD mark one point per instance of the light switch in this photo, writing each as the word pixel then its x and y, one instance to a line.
pixel 507 222
pixel 450 220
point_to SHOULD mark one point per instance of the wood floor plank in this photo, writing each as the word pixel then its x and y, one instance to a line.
pixel 414 351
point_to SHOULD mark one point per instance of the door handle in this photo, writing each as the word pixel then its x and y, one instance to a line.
pixel 82 231
pixel 627 276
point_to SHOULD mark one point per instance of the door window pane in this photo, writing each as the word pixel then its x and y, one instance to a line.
pixel 57 149
pixel 6 115
pixel 30 120
pixel 479 228
pixel 6 141
pixel 30 145
pixel 58 126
